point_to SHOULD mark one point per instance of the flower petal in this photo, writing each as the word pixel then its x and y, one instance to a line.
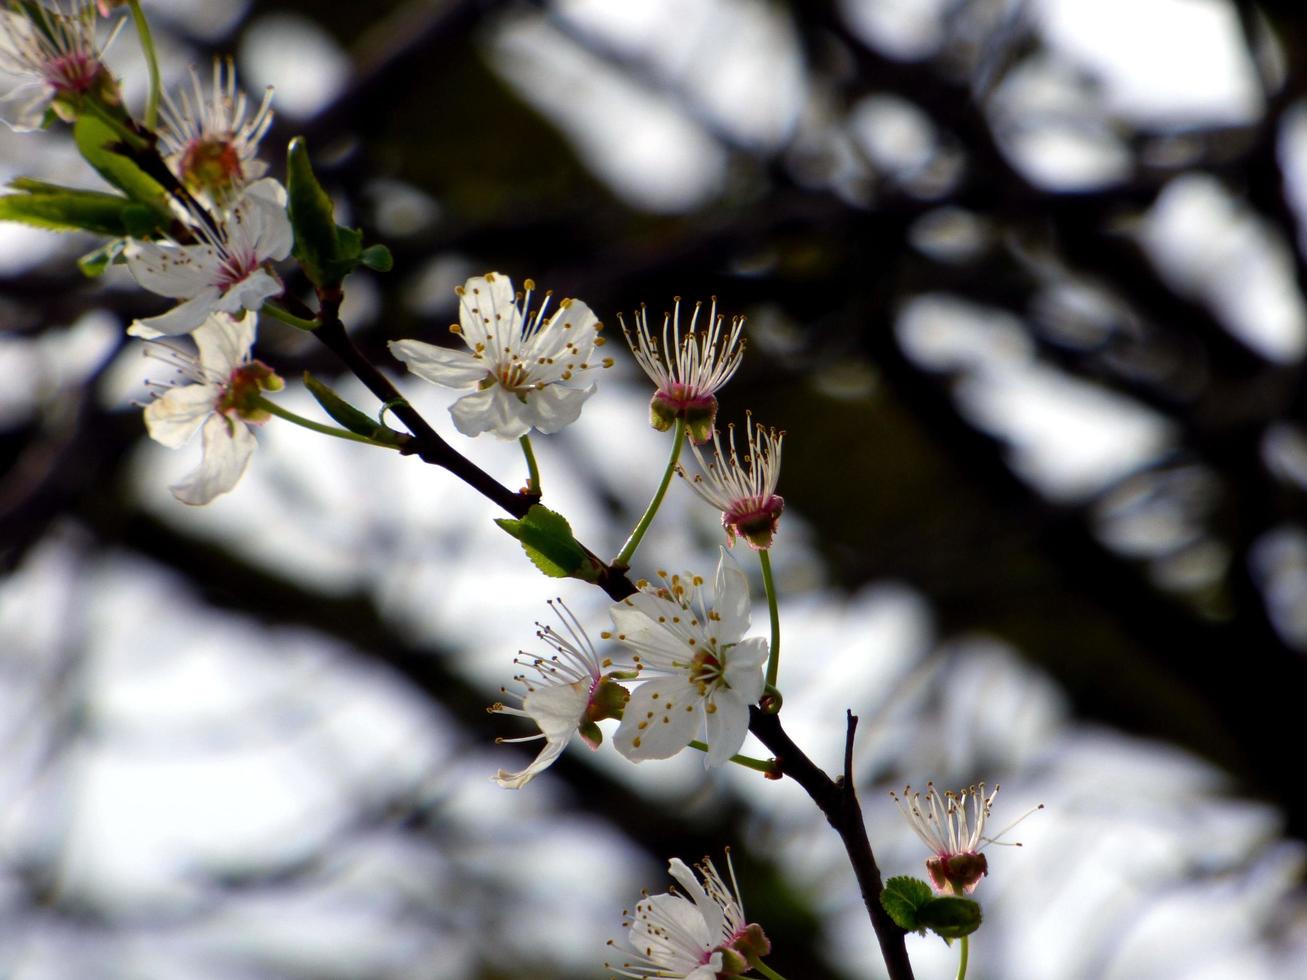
pixel 440 365
pixel 227 448
pixel 727 725
pixel 173 417
pixel 557 709
pixel 743 673
pixel 180 319
pixel 224 343
pixel 492 410
pixel 176 272
pixel 731 602
pixel 250 292
pixel 709 911
pixel 516 780
pixel 661 718
pixel 488 313
pixel 554 407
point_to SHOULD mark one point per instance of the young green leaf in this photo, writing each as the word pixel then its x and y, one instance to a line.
pixel 95 140
pixel 950 917
pixel 350 417
pixel 902 897
pixel 547 539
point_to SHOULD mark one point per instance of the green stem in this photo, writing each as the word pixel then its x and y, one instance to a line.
pixel 773 609
pixel 962 961
pixel 763 968
pixel 151 62
pixel 532 471
pixel 767 766
pixel 623 559
pixel 327 430
pixel 277 313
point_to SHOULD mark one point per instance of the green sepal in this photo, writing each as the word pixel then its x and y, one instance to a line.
pixel 950 916
pixel 356 421
pixel 56 208
pixel 377 258
pixel 93 264
pixel 547 539
pixel 94 140
pixel 903 898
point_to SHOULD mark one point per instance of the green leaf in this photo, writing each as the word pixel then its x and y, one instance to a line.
pixel 377 258
pixel 313 217
pixel 93 264
pixel 547 539
pixel 902 898
pixel 356 421
pixel 950 917
pixel 87 211
pixel 95 139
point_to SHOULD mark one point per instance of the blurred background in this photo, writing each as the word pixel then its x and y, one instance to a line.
pixel 1025 287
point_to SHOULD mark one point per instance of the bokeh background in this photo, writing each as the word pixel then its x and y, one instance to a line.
pixel 1025 287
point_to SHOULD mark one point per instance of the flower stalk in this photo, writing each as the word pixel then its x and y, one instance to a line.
pixel 151 63
pixel 623 559
pixel 272 408
pixel 774 613
pixel 532 470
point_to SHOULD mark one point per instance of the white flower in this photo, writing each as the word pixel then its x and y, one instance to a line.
pixel 953 827
pixel 569 696
pixel 744 490
pixel 698 671
pixel 687 371
pixel 220 400
pixel 528 371
pixel 59 56
pixel 224 272
pixel 211 140
pixel 695 938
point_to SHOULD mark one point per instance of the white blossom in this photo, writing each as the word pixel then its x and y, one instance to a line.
pixel 225 271
pixel 210 139
pixel 59 58
pixel 527 370
pixel 567 695
pixel 687 369
pixel 691 938
pixel 697 672
pixel 743 488
pixel 219 398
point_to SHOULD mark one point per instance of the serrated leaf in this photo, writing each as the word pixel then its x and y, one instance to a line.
pixel 64 209
pixel 95 140
pixel 902 897
pixel 950 917
pixel 547 539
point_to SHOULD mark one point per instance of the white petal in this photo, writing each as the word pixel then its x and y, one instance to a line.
pixel 175 272
pixel 440 365
pixel 180 319
pixel 727 726
pixel 663 715
pixel 574 325
pixel 516 780
pixel 557 709
pixel 492 410
pixel 488 313
pixel 743 673
pixel 670 931
pixel 227 448
pixel 708 909
pixel 635 623
pixel 553 407
pixel 265 226
pixel 732 600
pixel 250 292
pixel 173 417
pixel 224 343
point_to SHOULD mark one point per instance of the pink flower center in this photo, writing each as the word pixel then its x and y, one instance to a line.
pixel 235 268
pixel 73 72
